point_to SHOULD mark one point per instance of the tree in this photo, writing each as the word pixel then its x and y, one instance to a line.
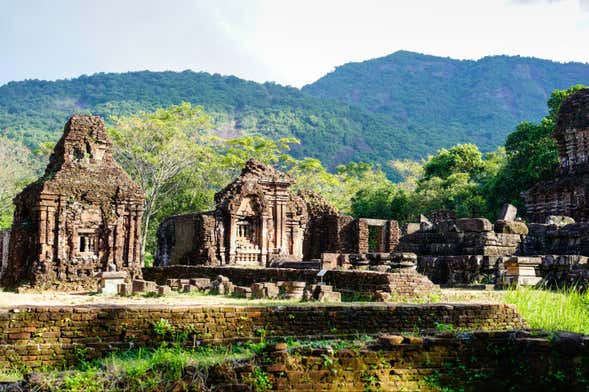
pixel 462 158
pixel 236 152
pixel 157 148
pixel 452 179
pixel 16 170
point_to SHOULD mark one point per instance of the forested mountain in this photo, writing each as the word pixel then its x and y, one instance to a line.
pixel 451 101
pixel 405 105
pixel 34 111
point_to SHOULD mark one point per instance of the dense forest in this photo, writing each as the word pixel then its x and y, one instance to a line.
pixel 403 106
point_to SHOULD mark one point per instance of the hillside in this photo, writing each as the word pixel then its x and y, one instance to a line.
pixel 34 111
pixel 450 101
pixel 405 105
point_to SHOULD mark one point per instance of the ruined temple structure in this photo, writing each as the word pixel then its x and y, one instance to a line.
pixel 568 193
pixel 259 220
pixel 256 217
pixel 82 217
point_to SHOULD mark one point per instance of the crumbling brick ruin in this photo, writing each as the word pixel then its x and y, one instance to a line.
pixel 258 220
pixel 462 251
pixel 82 217
pixel 551 246
pixel 566 194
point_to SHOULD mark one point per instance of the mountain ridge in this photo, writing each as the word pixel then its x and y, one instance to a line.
pixel 397 84
pixel 403 105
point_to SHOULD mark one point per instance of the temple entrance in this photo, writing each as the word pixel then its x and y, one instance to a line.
pixel 376 239
pixel 248 232
pixel 245 233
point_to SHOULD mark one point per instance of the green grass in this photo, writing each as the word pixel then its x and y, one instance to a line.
pixel 165 367
pixel 10 375
pixel 146 369
pixel 564 310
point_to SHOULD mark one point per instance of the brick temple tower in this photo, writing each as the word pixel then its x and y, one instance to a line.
pixel 82 217
pixel 568 193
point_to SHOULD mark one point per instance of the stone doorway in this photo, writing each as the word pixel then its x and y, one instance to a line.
pixel 248 232
pixel 376 241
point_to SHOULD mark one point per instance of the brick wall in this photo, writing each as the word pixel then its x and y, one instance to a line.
pixel 472 362
pixel 403 282
pixel 48 336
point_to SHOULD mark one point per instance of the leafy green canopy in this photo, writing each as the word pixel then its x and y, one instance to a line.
pixel 17 169
pixel 452 179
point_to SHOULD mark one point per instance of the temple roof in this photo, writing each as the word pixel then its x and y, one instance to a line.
pixel 574 113
pixel 253 173
pixel 82 166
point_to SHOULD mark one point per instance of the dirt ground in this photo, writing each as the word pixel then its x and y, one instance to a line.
pixel 47 298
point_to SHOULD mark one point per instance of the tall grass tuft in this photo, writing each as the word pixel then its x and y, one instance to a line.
pixel 563 310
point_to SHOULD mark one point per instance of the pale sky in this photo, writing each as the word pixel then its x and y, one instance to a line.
pixel 288 42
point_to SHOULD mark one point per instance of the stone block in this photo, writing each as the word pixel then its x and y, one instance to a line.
pixel 258 290
pixel 508 213
pixel 143 286
pixel 559 220
pixel 391 340
pixel 164 290
pixel 173 283
pixel 201 283
pixel 474 225
pixel 329 260
pixel 522 271
pixel 222 286
pixel 264 290
pixel 497 251
pixel 379 267
pixel 124 289
pixel 334 296
pixel 294 290
pixel 109 281
pixel 188 288
pixel 382 296
pixel 242 292
pixel 511 227
pixel 309 292
pixel 511 240
pixel 412 228
pixel 423 219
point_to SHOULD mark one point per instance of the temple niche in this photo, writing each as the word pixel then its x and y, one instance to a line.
pixel 259 220
pixel 82 217
pixel 566 194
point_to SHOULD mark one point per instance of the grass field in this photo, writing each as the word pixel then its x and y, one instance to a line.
pixel 564 310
